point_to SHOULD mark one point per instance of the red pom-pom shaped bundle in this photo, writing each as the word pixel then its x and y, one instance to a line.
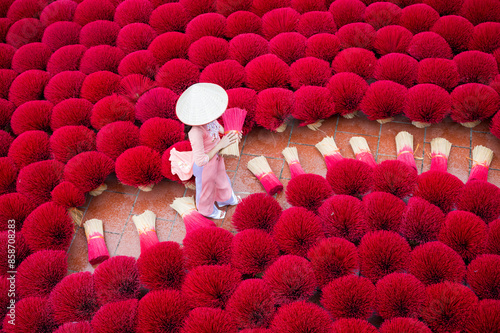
pixel 288 46
pixel 418 18
pixel 74 298
pixel 408 325
pixel 267 71
pixel 400 68
pixel 69 141
pixel 210 286
pixel 110 109
pixel 392 39
pixel 64 85
pixel 274 107
pixel 166 167
pixel 133 86
pixel 313 105
pixel 309 71
pixel 323 46
pixel 6 53
pixel 207 246
pixel 350 177
pixel 246 47
pixel 439 188
pixel 140 62
pixel 476 67
pixel 117 279
pixel 485 37
pixel 304 6
pixel 21 252
pixel 227 7
pixel 483 274
pixel 480 11
pixel 98 85
pixel 7 76
pixel 252 304
pixel 118 316
pixel 60 34
pixel 228 74
pixel 290 278
pixel 383 100
pixel 242 22
pixel 297 230
pixel 93 10
pixel 486 317
pixel 260 7
pixel 29 147
pixel 383 211
pixel 382 253
pixel 178 75
pixel 394 177
pixel 61 116
pixel 435 262
pixel 473 102
pixel 31 56
pixel 139 167
pixel 445 7
pixel 88 170
pixel 347 11
pixel 5 141
pixel 308 191
pixel 301 316
pixel 347 90
pixel 422 221
pixel 333 258
pixel 75 327
pixel 427 104
pixel 135 37
pixel 68 195
pixel 169 17
pixel 56 11
pixel 495 125
pixel 162 266
pixel 256 211
pixel 381 14
pixel 358 34
pixel 159 133
pixel 67 58
pixel 14 206
pixel 355 60
pixel 198 7
pixel 157 102
pixel 448 306
pixel 429 45
pixel 170 45
pixel 353 325
pixel 253 250
pixel 38 179
pixel 38 274
pixel 465 233
pixel 161 309
pixel 207 50
pixel 204 318
pixel 441 72
pixel 349 296
pixel 316 22
pixel 8 171
pixel 28 86
pixel 24 31
pixel 133 11
pixel 208 24
pixel 32 315
pixel 31 116
pixel 399 295
pixel 492 244
pixel 101 58
pixel 456 30
pixel 480 198
pixel 279 20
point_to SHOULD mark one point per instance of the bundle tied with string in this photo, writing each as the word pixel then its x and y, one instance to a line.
pixel 233 119
pixel 193 220
pixel 481 161
pixel 440 151
pixel 362 150
pixel 98 252
pixel 261 169
pixel 145 224
pixel 292 158
pixel 404 148
pixel 331 153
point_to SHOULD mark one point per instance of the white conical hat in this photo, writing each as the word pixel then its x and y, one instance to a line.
pixel 201 103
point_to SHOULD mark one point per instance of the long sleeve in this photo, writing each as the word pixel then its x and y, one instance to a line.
pixel 200 158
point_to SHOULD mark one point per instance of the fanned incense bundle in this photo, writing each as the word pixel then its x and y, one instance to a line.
pixel 98 252
pixel 261 169
pixel 193 220
pixel 404 148
pixel 481 161
pixel 233 121
pixel 145 224
pixel 331 153
pixel 362 150
pixel 440 151
pixel 292 158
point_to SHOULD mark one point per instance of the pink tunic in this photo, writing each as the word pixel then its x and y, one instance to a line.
pixel 212 182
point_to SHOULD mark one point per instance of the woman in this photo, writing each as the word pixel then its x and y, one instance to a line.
pixel 200 106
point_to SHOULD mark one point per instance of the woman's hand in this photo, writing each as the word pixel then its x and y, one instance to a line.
pixel 228 139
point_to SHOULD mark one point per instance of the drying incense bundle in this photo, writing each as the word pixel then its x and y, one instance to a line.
pixel 440 151
pixel 76 215
pixel 481 161
pixel 193 220
pixel 98 252
pixel 331 153
pixel 362 151
pixel 261 169
pixel 292 158
pixel 233 121
pixel 145 224
pixel 404 148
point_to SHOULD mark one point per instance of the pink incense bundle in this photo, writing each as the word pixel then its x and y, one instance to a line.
pixel 145 224
pixel 404 148
pixel 440 151
pixel 481 161
pixel 233 121
pixel 362 150
pixel 193 220
pixel 331 153
pixel 98 252
pixel 292 158
pixel 261 169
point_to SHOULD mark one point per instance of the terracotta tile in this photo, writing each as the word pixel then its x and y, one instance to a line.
pixel 112 208
pixel 303 135
pixel 484 126
pixel 163 229
pixel 263 142
pixel 114 185
pixel 342 141
pixel 159 199
pixel 311 161
pixel 281 197
pixel 401 118
pixel 88 199
pixel 457 134
pixel 129 243
pixel 231 162
pixel 246 182
pixel 494 177
pixel 112 241
pixel 358 125
pixel 458 164
pixel 78 259
pixel 178 231
pixel 382 158
pixel 389 132
pixel 490 141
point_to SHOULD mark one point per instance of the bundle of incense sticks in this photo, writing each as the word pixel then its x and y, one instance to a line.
pixel 233 121
pixel 76 215
pixel 145 224
pixel 98 191
pixel 440 151
pixel 404 148
pixel 362 151
pixel 98 252
pixel 316 125
pixel 261 169
pixel 193 220
pixel 328 148
pixel 292 158
pixel 481 161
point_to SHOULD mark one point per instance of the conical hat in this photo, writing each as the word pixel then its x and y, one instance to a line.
pixel 201 103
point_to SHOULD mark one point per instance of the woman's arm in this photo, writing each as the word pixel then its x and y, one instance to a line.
pixel 196 139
